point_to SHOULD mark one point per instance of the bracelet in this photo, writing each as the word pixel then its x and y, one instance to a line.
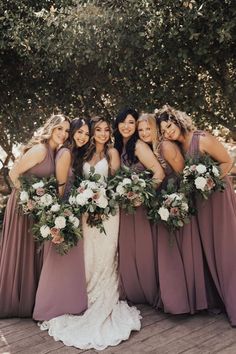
pixel 61 184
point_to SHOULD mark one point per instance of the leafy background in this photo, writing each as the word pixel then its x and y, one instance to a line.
pixel 97 56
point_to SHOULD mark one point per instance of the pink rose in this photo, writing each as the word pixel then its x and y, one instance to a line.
pixel 137 201
pixel 168 201
pixel 57 239
pixel 80 189
pixel 174 211
pixel 67 212
pixel 55 231
pixel 131 195
pixel 96 196
pixel 40 191
pixel 210 183
pixel 31 204
pixel 193 168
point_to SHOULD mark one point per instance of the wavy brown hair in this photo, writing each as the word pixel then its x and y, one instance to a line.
pixel 94 122
pixel 181 119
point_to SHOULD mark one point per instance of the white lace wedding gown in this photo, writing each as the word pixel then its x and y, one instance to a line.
pixel 107 321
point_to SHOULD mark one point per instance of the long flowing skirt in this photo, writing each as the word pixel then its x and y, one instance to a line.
pixel 107 320
pixel 20 263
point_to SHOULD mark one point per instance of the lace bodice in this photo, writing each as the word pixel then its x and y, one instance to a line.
pixel 107 320
pixel 101 167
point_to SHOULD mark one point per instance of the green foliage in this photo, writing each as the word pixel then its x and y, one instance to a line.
pixel 97 56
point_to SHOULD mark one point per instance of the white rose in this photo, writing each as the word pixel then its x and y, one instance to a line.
pixel 55 207
pixel 120 189
pixel 103 191
pixel 24 196
pixel 185 206
pixel 142 182
pixel 88 193
pixel 200 183
pixel 91 185
pixel 45 231
pixel 83 184
pixel 174 196
pixel 72 200
pixel 38 185
pixel 102 202
pixel 81 199
pixel 201 168
pixel 74 220
pixel 126 181
pixel 164 213
pixel 60 222
pixel 215 171
pixel 46 200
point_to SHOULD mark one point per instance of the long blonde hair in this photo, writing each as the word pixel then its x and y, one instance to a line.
pixel 44 133
pixel 150 118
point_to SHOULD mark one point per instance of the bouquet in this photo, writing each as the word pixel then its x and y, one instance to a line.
pixel 201 176
pixel 54 220
pixel 131 189
pixel 59 225
pixel 91 196
pixel 37 195
pixel 170 207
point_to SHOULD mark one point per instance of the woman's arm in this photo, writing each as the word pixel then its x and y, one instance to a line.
pixel 63 164
pixel 149 160
pixel 173 156
pixel 208 144
pixel 114 160
pixel 32 157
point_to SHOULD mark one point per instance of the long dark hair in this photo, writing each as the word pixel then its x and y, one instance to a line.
pixel 181 119
pixel 91 149
pixel 129 155
pixel 77 153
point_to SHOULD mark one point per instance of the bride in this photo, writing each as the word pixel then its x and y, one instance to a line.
pixel 107 321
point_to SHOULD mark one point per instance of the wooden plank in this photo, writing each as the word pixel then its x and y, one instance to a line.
pixel 16 334
pixel 9 322
pixel 160 334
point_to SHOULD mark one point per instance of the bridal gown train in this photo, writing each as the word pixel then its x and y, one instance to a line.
pixel 107 321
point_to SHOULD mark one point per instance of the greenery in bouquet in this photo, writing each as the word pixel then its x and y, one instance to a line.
pixel 91 196
pixel 59 225
pixel 170 207
pixel 201 176
pixel 131 189
pixel 36 195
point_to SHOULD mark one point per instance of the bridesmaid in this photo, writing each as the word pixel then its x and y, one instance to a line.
pixel 179 266
pixel 217 215
pixel 136 257
pixel 65 274
pixel 20 262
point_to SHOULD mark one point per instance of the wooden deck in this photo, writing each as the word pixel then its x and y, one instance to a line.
pixel 160 334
